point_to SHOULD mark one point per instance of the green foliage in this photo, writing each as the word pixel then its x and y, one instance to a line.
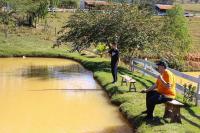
pixel 189 94
pixel 101 48
pixel 2 3
pixel 5 17
pixel 175 42
pixel 132 28
pixel 136 31
pixel 53 3
pixel 27 11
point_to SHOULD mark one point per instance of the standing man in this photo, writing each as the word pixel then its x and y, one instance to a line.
pixel 114 53
pixel 162 91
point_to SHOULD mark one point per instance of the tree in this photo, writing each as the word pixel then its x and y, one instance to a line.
pixel 136 30
pixel 2 3
pixel 27 10
pixel 129 26
pixel 53 4
pixel 176 40
pixel 5 16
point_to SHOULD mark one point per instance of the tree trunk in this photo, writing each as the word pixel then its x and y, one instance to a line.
pixel 35 23
pixel 30 20
pixel 6 30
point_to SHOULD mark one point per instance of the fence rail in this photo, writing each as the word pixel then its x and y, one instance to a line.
pixel 148 68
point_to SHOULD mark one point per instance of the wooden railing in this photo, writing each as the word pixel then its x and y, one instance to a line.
pixel 148 67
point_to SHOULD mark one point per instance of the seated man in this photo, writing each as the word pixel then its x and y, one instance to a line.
pixel 162 91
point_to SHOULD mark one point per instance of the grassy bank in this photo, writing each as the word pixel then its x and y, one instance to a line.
pixel 130 103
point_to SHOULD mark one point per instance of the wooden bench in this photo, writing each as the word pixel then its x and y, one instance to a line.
pixel 172 111
pixel 126 79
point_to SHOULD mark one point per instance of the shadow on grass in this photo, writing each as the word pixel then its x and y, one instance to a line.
pixel 140 119
pixel 114 90
pixel 149 81
pixel 191 112
pixel 191 122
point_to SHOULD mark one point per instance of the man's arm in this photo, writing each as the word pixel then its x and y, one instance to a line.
pixel 166 85
pixel 118 60
pixel 149 89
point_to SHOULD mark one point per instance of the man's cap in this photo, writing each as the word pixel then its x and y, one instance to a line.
pixel 162 63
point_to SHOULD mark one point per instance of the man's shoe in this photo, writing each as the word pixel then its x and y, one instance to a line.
pixel 148 118
pixel 144 112
pixel 114 82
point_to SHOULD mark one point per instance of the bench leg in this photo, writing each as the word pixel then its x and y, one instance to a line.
pixel 176 116
pixel 168 111
pixel 134 87
pixel 130 87
pixel 122 81
pixel 172 112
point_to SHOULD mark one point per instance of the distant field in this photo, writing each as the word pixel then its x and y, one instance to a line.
pixel 57 20
pixel 194 27
pixel 54 23
pixel 192 7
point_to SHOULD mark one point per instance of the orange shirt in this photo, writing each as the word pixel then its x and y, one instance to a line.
pixel 168 77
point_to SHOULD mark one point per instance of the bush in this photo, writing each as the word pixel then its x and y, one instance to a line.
pixel 101 48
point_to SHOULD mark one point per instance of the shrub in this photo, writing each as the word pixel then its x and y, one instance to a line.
pixel 101 48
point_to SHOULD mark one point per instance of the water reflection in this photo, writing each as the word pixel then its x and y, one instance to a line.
pixel 47 72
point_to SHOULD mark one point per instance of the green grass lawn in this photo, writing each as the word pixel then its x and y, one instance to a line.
pixel 26 45
pixel 131 103
pixel 56 20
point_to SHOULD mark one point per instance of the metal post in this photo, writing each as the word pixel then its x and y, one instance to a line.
pixel 198 92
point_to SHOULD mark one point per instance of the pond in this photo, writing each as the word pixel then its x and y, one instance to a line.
pixel 47 95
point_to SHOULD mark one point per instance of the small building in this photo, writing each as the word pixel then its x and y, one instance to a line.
pixel 161 9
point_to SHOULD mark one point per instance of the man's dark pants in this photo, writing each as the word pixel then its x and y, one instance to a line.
pixel 153 98
pixel 114 71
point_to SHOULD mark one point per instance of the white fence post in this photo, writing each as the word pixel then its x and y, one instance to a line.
pixel 145 66
pixel 198 92
pixel 131 65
